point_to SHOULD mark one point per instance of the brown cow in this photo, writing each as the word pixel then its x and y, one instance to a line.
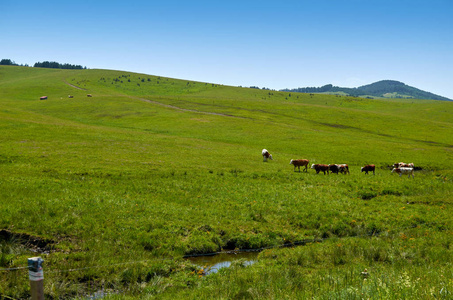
pixel 368 168
pixel 299 163
pixel 320 167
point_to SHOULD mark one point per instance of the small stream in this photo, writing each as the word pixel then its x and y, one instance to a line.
pixel 212 263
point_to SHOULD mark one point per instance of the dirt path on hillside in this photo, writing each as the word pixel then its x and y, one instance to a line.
pixel 76 87
pixel 185 109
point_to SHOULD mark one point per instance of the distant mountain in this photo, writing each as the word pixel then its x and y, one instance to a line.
pixel 380 89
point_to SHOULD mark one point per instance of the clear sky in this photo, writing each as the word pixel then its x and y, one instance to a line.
pixel 273 44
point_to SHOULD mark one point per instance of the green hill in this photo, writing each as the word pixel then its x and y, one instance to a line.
pixel 380 89
pixel 113 190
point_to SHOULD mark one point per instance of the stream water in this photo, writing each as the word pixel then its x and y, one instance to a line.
pixel 212 263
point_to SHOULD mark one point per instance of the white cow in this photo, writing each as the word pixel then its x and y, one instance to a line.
pixel 403 170
pixel 266 155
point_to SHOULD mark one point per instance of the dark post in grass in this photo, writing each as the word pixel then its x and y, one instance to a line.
pixel 36 276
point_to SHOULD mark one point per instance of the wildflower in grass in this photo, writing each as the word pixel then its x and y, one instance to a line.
pixel 404 280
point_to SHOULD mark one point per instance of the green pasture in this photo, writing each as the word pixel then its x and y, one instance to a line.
pixel 113 190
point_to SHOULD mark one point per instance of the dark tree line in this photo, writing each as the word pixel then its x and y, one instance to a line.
pixel 44 64
pixel 56 65
pixel 7 62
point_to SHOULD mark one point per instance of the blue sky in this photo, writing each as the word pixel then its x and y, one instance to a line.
pixel 274 44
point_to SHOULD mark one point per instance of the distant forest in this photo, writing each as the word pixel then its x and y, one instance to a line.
pixel 44 64
pixel 55 65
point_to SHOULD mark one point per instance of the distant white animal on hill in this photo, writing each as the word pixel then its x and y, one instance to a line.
pixel 266 155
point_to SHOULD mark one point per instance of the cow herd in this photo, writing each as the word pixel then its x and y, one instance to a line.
pixel 399 168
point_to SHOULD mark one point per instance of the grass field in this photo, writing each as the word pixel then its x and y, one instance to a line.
pixel 113 190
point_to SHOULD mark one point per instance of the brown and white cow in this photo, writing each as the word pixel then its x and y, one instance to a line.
pixel 404 170
pixel 339 168
pixel 266 155
pixel 299 163
pixel 344 168
pixel 404 165
pixel 368 168
pixel 334 168
pixel 320 167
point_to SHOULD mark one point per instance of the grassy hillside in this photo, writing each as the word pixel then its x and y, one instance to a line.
pixel 116 188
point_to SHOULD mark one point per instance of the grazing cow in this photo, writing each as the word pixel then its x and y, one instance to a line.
pixel 89 95
pixel 299 163
pixel 320 167
pixel 404 165
pixel 266 155
pixel 344 168
pixel 43 98
pixel 70 96
pixel 368 168
pixel 404 170
pixel 334 168
pixel 339 168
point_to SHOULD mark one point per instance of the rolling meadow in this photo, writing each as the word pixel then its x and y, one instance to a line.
pixel 113 191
